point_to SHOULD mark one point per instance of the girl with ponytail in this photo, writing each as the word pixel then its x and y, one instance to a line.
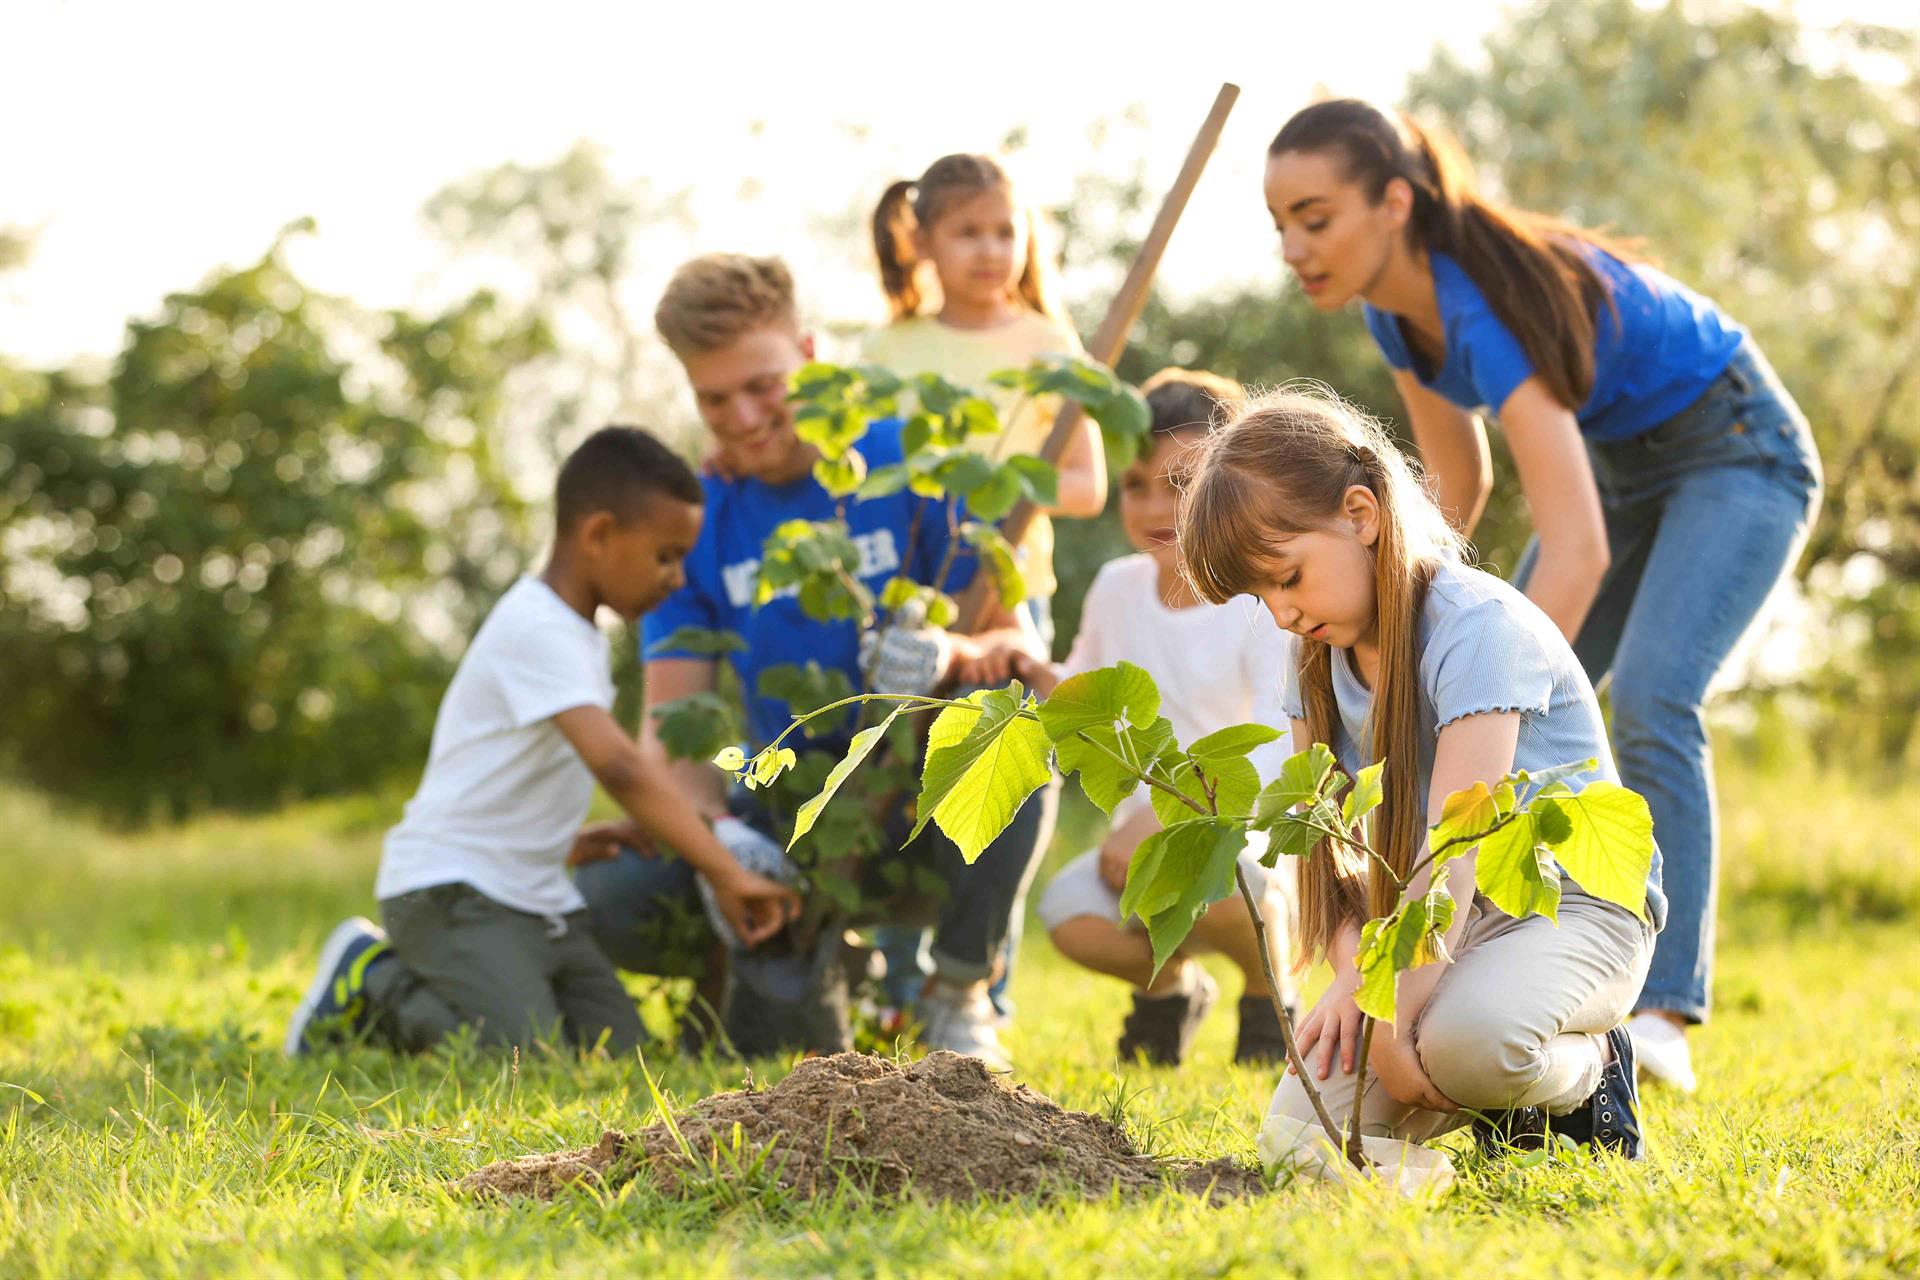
pixel 1399 652
pixel 1670 476
pixel 969 287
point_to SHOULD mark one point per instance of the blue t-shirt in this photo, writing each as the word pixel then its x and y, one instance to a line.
pixel 1484 647
pixel 1650 362
pixel 723 573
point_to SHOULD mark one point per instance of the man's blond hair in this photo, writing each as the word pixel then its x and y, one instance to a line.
pixel 715 298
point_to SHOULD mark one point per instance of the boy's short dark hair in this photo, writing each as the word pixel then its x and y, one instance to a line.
pixel 1188 399
pixel 617 469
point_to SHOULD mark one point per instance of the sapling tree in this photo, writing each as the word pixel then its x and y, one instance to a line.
pixel 988 751
pixel 953 454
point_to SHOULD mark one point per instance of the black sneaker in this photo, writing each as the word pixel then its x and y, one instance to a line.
pixel 1260 1042
pixel 1499 1133
pixel 1162 1027
pixel 1611 1117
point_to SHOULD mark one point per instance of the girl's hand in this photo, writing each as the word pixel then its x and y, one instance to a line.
pixel 1396 1062
pixel 1116 855
pixel 989 665
pixel 1333 1025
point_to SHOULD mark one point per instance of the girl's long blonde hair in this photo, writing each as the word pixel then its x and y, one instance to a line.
pixel 1281 466
pixel 908 207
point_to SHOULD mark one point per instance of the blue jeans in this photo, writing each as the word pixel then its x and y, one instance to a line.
pixel 1705 514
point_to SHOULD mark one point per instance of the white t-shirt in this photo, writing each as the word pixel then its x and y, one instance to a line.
pixel 504 791
pixel 1216 664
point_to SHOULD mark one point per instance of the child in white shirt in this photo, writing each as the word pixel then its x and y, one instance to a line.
pixel 1216 665
pixel 484 927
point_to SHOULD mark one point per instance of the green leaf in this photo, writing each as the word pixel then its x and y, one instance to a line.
pixel 1038 478
pixel 962 473
pixel 1607 845
pixel 1233 780
pixel 1365 796
pixel 806 689
pixel 732 759
pixel 1516 873
pixel 1390 946
pixel 1556 773
pixel 1289 837
pixel 696 727
pixel 981 767
pixel 701 640
pixel 1465 816
pixel 833 433
pixel 1104 779
pixel 996 497
pixel 943 611
pixel 897 592
pixel 1234 740
pixel 882 481
pixel 996 553
pixel 1198 862
pixel 1100 697
pixel 862 744
pixel 1301 780
pixel 842 475
pixel 975 416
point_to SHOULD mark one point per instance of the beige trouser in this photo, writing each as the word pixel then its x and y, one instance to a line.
pixel 1515 1021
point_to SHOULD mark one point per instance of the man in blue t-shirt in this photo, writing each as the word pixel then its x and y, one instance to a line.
pixel 733 324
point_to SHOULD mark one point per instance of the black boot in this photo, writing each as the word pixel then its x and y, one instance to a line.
pixel 1611 1117
pixel 1260 1042
pixel 1162 1027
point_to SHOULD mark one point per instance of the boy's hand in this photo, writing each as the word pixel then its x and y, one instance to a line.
pixel 715 463
pixel 903 661
pixel 756 908
pixel 599 841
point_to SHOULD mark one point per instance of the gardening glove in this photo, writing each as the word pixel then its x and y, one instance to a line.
pixel 756 853
pixel 908 657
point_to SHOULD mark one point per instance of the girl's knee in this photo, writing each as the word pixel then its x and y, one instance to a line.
pixel 1077 937
pixel 1476 1059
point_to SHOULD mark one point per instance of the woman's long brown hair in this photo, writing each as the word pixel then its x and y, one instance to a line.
pixel 1283 466
pixel 1534 269
pixel 908 207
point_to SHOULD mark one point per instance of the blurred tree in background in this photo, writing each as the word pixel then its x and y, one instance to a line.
pixel 239 567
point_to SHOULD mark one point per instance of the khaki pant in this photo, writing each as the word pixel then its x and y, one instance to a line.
pixel 462 959
pixel 1515 1021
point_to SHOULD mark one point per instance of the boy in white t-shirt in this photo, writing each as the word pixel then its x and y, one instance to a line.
pixel 1216 665
pixel 484 927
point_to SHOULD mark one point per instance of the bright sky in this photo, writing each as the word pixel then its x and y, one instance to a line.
pixel 151 143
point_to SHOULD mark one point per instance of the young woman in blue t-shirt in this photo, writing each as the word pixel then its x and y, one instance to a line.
pixel 1671 478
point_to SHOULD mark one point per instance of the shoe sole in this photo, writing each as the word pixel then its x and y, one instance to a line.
pixel 332 951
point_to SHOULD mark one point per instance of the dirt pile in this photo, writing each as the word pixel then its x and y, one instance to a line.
pixel 943 1126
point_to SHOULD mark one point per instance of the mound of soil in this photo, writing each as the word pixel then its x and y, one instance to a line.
pixel 944 1127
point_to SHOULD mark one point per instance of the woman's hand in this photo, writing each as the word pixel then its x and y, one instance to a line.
pixel 1396 1061
pixel 1332 1028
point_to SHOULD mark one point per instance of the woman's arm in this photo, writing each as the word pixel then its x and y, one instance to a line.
pixel 1453 448
pixel 1564 500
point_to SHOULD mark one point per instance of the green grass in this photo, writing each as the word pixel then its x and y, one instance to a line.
pixel 144 980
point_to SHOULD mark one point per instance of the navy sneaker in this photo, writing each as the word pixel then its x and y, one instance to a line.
pixel 1611 1117
pixel 335 1005
pixel 1500 1133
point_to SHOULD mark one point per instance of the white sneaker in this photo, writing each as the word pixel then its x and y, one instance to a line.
pixel 1662 1050
pixel 961 1019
